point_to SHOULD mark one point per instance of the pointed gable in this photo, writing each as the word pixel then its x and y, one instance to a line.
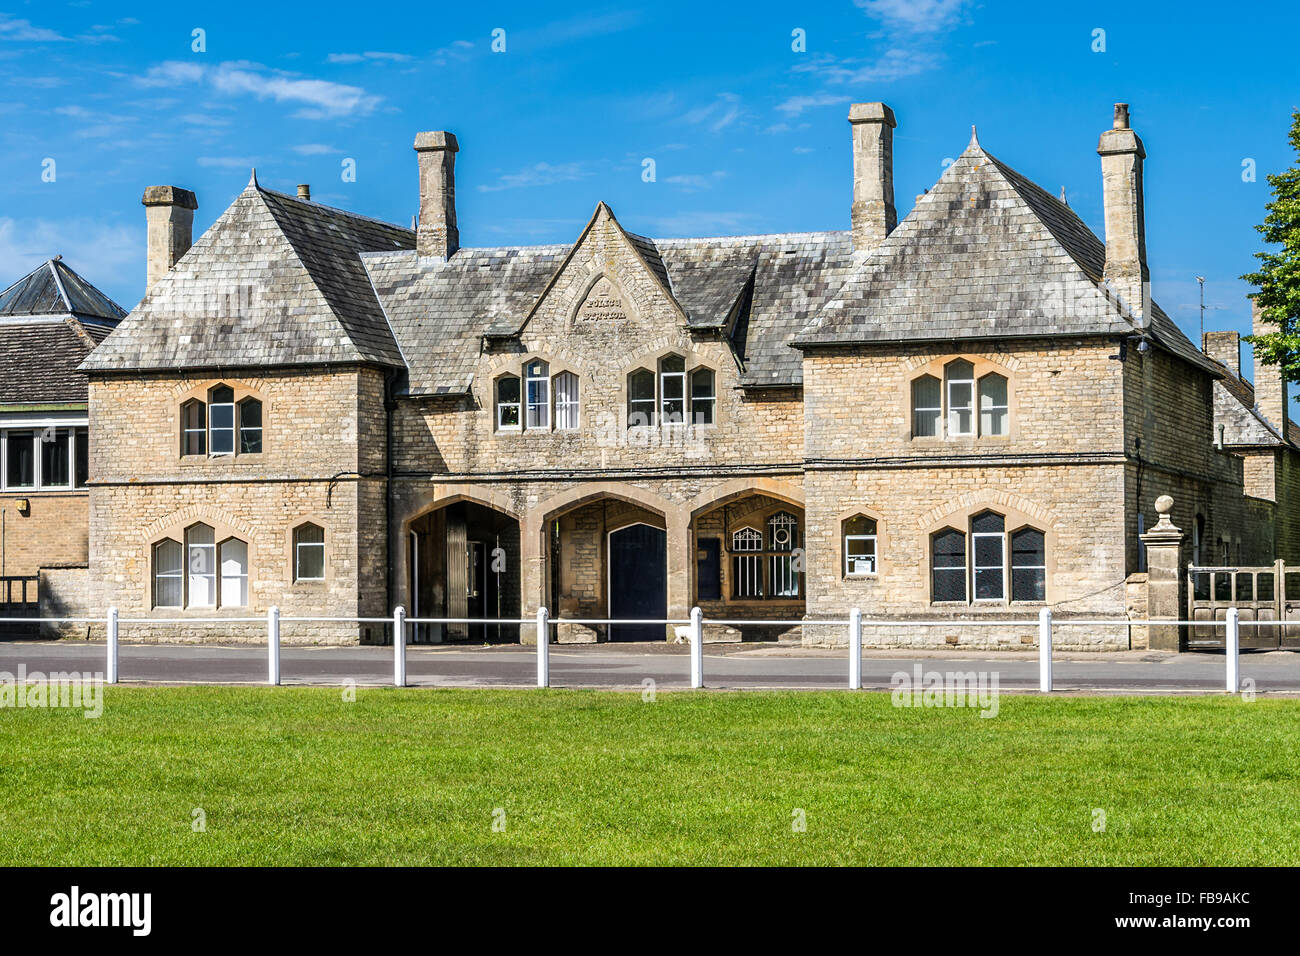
pixel 275 281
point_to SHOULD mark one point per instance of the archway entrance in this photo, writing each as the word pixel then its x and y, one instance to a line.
pixel 638 581
pixel 464 561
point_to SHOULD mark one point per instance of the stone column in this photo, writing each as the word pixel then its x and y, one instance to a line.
pixel 1165 580
pixel 681 560
pixel 532 573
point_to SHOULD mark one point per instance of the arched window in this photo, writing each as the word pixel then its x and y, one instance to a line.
pixel 747 565
pixel 234 573
pixel 309 552
pixel 200 566
pixel 194 428
pixel 221 420
pixel 960 376
pixel 508 403
pixel 703 396
pixel 859 547
pixel 1028 565
pixel 988 553
pixel 537 389
pixel 672 389
pixel 927 407
pixel 168 574
pixel 783 538
pixel 993 405
pixel 640 398
pixel 566 401
pixel 250 427
pixel 948 565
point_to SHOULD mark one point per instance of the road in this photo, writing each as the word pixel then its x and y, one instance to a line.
pixel 611 666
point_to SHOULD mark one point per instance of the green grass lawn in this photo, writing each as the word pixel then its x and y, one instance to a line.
pixel 299 776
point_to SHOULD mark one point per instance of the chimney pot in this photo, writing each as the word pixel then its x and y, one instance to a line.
pixel 873 214
pixel 1126 272
pixel 1224 347
pixel 304 191
pixel 169 214
pixel 436 234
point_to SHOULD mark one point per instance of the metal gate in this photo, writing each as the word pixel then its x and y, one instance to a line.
pixel 1269 593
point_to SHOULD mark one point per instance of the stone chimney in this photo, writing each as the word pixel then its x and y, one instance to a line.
pixel 1126 237
pixel 1270 386
pixel 874 216
pixel 436 233
pixel 1224 347
pixel 304 191
pixel 169 211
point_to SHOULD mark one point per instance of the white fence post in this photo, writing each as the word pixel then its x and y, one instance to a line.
pixel 1045 650
pixel 111 676
pixel 543 648
pixel 273 645
pixel 855 649
pixel 697 647
pixel 399 646
pixel 1232 648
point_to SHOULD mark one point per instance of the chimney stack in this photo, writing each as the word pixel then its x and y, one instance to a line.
pixel 304 191
pixel 436 233
pixel 874 216
pixel 1126 240
pixel 1224 347
pixel 1270 386
pixel 169 211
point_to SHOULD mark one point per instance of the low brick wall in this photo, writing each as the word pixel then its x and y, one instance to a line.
pixel 65 592
pixel 1007 637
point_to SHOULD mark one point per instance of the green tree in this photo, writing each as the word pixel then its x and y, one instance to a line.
pixel 1278 278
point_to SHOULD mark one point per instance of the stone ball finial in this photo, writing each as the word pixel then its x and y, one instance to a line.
pixel 1164 505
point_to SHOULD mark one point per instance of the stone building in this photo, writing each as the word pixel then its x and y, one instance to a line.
pixel 50 319
pixel 966 414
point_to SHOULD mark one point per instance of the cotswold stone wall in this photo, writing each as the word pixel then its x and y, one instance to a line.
pixel 52 530
pixel 322 461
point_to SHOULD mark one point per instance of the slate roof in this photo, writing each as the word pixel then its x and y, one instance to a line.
pixel 985 254
pixel 277 280
pixel 1236 410
pixel 50 320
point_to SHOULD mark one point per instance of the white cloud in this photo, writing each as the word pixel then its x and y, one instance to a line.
pixel 227 162
pixel 314 149
pixel 26 31
pixel 320 99
pixel 373 55
pixel 797 104
pixel 895 64
pixel 539 174
pixel 690 224
pixel 917 16
pixel 718 115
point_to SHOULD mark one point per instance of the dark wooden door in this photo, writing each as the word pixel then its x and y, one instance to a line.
pixel 638 581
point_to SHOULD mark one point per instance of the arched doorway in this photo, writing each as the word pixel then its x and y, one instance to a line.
pixel 638 581
pixel 464 563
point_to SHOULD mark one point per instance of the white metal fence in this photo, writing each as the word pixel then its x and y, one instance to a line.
pixel 695 623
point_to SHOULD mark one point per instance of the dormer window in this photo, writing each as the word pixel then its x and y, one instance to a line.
pixel 228 424
pixel 965 403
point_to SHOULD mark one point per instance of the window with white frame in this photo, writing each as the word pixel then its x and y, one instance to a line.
pixel 704 397
pixel 859 547
pixel 537 388
pixel 747 563
pixel 640 398
pixel 672 390
pixel 508 403
pixel 49 457
pixel 234 573
pixel 221 420
pixel 200 566
pixel 566 401
pixel 168 574
pixel 783 540
pixel 927 407
pixel 309 552
pixel 993 404
pixel 988 556
pixel 959 376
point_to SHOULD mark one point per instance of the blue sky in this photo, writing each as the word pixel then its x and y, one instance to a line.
pixel 748 135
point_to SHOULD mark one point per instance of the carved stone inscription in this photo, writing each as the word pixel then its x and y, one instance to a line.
pixel 602 305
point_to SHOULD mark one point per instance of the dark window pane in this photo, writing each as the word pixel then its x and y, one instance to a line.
pixel 950 584
pixel 21 469
pixel 250 427
pixel 702 396
pixel 988 551
pixel 1265 585
pixel 1027 547
pixel 949 549
pixel 860 524
pixel 222 393
pixel 1027 584
pixel 508 389
pixel 56 457
pixel 194 437
pixel 1245 587
pixel 988 584
pixel 83 457
pixel 673 363
pixel 1201 585
pixel 987 521
pixel 1222 586
pixel 948 559
pixel 222 428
